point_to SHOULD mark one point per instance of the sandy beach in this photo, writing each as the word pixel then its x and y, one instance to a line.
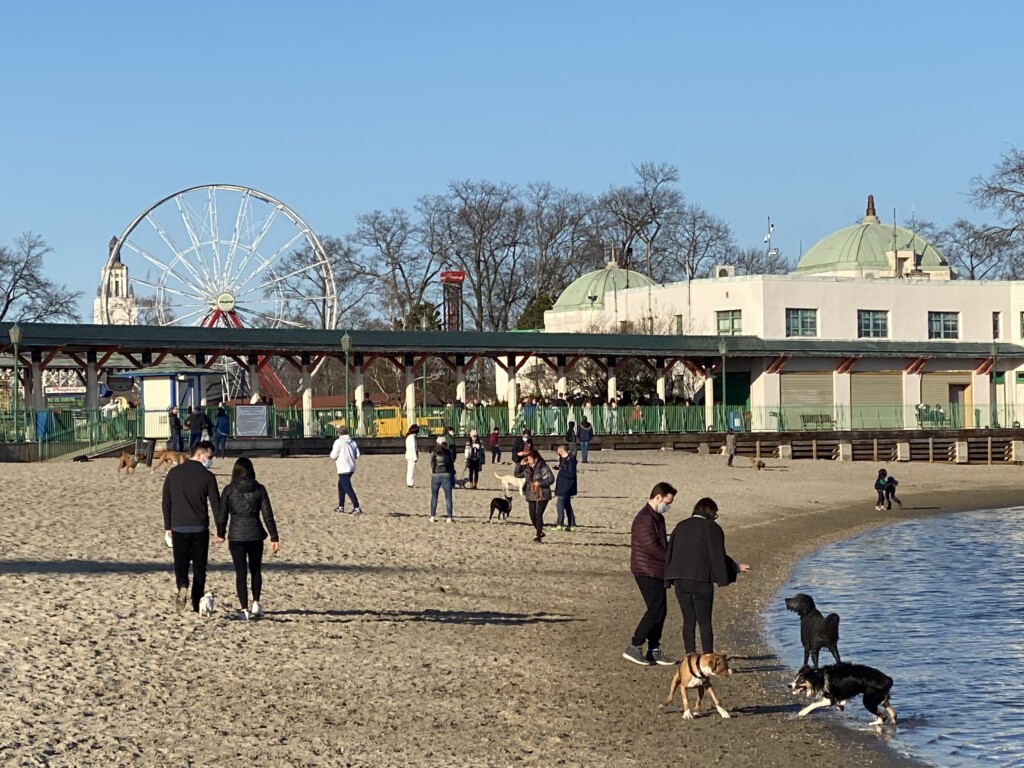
pixel 391 642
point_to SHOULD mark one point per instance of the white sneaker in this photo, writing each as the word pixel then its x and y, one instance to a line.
pixel 433 519
pixel 243 615
pixel 448 520
pixel 257 612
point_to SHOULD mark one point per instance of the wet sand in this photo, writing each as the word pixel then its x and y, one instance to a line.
pixel 391 641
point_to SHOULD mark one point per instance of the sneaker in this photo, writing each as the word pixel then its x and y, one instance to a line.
pixel 356 511
pixel 257 612
pixel 243 615
pixel 656 656
pixel 340 509
pixel 449 520
pixel 433 519
pixel 181 599
pixel 557 528
pixel 634 654
pixel 566 528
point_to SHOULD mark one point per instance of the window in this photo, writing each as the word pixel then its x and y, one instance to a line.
pixel 872 324
pixel 943 325
pixel 996 322
pixel 730 322
pixel 801 322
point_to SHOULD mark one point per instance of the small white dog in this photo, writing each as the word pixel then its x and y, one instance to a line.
pixel 508 482
pixel 206 605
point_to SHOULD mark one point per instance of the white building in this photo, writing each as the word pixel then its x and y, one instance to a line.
pixel 121 306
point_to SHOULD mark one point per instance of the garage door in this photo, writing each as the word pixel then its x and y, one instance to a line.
pixel 946 399
pixel 806 401
pixel 876 401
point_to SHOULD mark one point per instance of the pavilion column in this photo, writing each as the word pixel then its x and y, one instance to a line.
pixel 92 393
pixel 360 393
pixel 613 379
pixel 460 378
pixel 709 400
pixel 36 374
pixel 661 389
pixel 307 397
pixel 911 399
pixel 410 392
pixel 981 395
pixel 562 382
pixel 842 399
pixel 512 393
pixel 253 379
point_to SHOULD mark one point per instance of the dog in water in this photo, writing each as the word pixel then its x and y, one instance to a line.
pixel 835 684
pixel 502 505
pixel 508 482
pixel 696 671
pixel 206 605
pixel 816 631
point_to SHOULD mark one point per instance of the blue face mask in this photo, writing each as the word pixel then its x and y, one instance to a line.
pixel 208 463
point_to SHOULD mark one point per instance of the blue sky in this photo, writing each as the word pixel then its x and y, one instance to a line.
pixel 794 110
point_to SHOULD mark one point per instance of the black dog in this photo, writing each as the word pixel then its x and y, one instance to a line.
pixel 501 505
pixel 816 631
pixel 834 684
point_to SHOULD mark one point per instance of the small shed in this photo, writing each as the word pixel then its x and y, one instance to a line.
pixel 162 386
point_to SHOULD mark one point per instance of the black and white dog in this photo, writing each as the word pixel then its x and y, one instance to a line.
pixel 835 684
pixel 501 505
pixel 816 631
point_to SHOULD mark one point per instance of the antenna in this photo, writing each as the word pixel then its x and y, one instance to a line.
pixel 768 236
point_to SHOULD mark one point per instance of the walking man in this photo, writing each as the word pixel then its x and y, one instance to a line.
pixel 194 423
pixel 565 489
pixel 648 542
pixel 345 452
pixel 190 490
pixel 175 424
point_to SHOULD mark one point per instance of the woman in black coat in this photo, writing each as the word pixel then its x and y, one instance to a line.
pixel 242 503
pixel 537 488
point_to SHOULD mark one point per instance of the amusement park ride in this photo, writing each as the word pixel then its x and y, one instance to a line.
pixel 182 262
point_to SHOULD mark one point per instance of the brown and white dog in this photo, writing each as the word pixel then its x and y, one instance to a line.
pixel 696 671
pixel 757 463
pixel 167 457
pixel 128 462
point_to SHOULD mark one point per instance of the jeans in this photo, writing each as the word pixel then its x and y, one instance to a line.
pixel 695 600
pixel 563 506
pixel 653 621
pixel 881 499
pixel 194 549
pixel 345 489
pixel 176 444
pixel 410 471
pixel 537 515
pixel 193 438
pixel 437 482
pixel 495 454
pixel 220 446
pixel 251 551
pixel 584 450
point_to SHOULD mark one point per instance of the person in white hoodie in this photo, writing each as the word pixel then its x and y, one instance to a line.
pixel 411 453
pixel 345 452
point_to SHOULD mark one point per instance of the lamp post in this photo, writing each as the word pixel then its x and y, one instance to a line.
pixel 723 348
pixel 15 333
pixel 423 327
pixel 994 420
pixel 346 346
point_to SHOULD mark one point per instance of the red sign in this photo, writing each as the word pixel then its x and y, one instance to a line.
pixel 453 277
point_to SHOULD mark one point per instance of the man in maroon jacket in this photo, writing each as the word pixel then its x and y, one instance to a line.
pixel 648 541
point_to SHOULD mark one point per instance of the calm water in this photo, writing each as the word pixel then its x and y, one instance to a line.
pixel 938 605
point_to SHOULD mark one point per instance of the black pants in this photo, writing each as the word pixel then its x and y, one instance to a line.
pixel 495 454
pixel 650 626
pixel 537 515
pixel 695 600
pixel 251 551
pixel 474 472
pixel 194 549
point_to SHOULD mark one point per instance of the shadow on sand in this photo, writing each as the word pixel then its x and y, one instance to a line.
pixel 87 567
pixel 429 615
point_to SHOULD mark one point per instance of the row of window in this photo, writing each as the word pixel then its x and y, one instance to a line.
pixel 871 323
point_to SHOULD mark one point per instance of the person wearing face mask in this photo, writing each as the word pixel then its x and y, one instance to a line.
pixel 694 562
pixel 190 490
pixel 647 564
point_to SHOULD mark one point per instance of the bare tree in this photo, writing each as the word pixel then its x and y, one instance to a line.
pixel 559 235
pixel 979 252
pixel 665 210
pixel 25 294
pixel 700 241
pixel 308 293
pixel 1003 193
pixel 759 261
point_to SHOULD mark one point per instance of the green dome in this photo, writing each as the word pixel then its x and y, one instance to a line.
pixel 589 291
pixel 864 247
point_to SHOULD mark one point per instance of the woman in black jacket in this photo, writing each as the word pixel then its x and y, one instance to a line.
pixel 537 488
pixel 242 503
pixel 694 562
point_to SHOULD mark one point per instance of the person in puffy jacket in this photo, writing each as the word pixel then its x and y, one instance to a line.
pixel 345 452
pixel 647 545
pixel 243 502
pixel 537 489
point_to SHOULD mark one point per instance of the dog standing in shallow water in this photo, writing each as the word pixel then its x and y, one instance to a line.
pixel 816 631
pixel 835 684
pixel 696 671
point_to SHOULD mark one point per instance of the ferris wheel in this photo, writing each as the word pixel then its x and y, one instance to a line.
pixel 219 255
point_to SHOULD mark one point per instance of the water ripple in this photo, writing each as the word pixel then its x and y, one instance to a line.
pixel 938 605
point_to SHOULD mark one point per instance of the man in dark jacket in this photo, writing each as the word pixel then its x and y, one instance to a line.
pixel 521 445
pixel 565 489
pixel 694 563
pixel 189 489
pixel 647 564
pixel 194 423
pixel 175 424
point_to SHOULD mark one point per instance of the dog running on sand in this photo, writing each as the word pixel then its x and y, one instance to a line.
pixel 206 605
pixel 502 506
pixel 835 684
pixel 696 671
pixel 508 482
pixel 816 631
pixel 128 462
pixel 167 457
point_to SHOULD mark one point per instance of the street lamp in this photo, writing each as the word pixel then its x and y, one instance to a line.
pixel 723 348
pixel 994 420
pixel 423 327
pixel 15 333
pixel 346 346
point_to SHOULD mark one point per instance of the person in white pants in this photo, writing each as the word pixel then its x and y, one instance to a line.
pixel 411 453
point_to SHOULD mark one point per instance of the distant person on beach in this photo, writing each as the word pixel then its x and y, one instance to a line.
pixel 730 446
pixel 221 430
pixel 537 489
pixel 412 453
pixel 694 563
pixel 174 422
pixel 190 490
pixel 585 435
pixel 880 481
pixel 494 440
pixel 194 424
pixel 521 445
pixel 475 457
pixel 565 489
pixel 885 487
pixel 242 504
pixel 570 437
pixel 442 477
pixel 345 452
pixel 647 545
